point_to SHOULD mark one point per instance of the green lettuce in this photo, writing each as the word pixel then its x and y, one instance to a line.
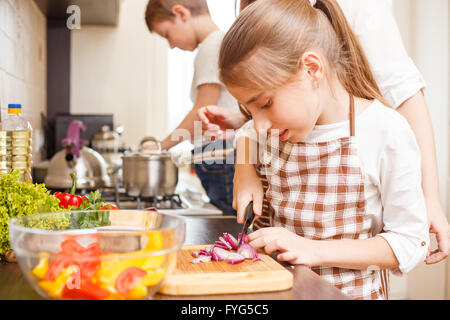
pixel 18 199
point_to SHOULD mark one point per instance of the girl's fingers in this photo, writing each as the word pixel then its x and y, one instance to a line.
pixel 242 205
pixel 287 256
pixel 261 241
pixel 257 203
pixel 272 246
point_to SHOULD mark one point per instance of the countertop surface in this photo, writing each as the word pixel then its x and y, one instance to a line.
pixel 199 230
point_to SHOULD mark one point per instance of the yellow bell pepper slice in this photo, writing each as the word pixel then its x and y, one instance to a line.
pixel 115 263
pixel 153 278
pixel 41 268
pixel 55 288
pixel 151 263
pixel 137 293
pixel 155 241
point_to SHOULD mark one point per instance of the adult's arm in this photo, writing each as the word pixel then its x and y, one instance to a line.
pixel 416 112
pixel 402 86
pixel 208 94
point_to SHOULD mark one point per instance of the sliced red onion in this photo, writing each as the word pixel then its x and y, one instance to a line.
pixel 209 249
pixel 244 237
pixel 195 254
pixel 231 240
pixel 203 253
pixel 219 254
pixel 221 245
pixel 225 243
pixel 258 258
pixel 235 258
pixel 201 259
pixel 247 251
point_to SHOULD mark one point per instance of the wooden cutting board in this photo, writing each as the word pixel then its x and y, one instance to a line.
pixel 220 277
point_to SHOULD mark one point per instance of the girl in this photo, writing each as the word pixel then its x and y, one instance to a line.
pixel 343 170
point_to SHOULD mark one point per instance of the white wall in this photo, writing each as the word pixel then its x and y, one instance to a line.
pixel 122 70
pixel 23 61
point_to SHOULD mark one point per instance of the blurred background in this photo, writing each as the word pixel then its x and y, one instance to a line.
pixel 112 70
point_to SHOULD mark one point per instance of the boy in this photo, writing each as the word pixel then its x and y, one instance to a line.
pixel 187 25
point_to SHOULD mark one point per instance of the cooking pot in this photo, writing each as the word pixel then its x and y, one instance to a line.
pixel 149 173
pixel 106 142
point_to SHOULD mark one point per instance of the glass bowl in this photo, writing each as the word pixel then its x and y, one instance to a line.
pixel 97 255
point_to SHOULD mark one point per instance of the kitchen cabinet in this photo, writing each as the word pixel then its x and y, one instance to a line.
pixel 98 12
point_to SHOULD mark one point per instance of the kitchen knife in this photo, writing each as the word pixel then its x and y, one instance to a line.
pixel 249 216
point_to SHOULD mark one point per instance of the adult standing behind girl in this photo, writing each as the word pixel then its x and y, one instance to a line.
pixel 343 170
pixel 402 86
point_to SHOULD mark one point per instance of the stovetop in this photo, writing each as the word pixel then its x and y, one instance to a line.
pixel 124 201
pixel 185 203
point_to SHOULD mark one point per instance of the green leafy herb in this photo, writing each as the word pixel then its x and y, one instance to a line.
pixel 83 220
pixel 19 199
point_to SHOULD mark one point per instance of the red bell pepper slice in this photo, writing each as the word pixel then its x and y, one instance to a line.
pixel 72 253
pixel 86 291
pixel 70 199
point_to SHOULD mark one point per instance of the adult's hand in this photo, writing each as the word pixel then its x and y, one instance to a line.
pixel 219 121
pixel 439 226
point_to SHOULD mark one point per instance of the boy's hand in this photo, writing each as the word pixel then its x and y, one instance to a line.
pixel 294 249
pixel 220 120
pixel 247 187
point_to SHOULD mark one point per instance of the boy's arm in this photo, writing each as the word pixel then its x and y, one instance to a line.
pixel 416 112
pixel 207 94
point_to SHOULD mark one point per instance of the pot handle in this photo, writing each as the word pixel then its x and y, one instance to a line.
pixel 150 139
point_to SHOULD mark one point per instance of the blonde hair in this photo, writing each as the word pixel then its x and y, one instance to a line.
pixel 245 3
pixel 263 47
pixel 158 10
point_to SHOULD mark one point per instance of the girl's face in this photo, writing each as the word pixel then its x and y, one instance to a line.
pixel 177 32
pixel 290 112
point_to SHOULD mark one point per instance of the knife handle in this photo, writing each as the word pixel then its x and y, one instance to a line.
pixel 249 214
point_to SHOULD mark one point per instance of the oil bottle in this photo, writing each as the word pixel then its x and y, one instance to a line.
pixel 16 144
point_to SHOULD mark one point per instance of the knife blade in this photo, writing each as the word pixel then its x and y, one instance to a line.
pixel 249 216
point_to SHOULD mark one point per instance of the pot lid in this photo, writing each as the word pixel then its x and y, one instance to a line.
pixel 105 133
pixel 156 154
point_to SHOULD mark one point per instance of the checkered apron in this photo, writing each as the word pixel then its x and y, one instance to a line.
pixel 317 191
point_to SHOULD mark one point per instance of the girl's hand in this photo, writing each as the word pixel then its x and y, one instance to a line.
pixel 438 225
pixel 247 187
pixel 294 248
pixel 220 121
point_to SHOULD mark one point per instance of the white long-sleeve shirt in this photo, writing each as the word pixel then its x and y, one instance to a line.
pixel 374 24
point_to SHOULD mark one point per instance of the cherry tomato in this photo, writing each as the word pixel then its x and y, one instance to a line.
pixel 109 207
pixel 128 279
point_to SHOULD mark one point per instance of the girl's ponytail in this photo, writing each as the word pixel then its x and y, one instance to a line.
pixel 356 76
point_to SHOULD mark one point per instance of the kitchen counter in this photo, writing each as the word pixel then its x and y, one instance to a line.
pixel 199 230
